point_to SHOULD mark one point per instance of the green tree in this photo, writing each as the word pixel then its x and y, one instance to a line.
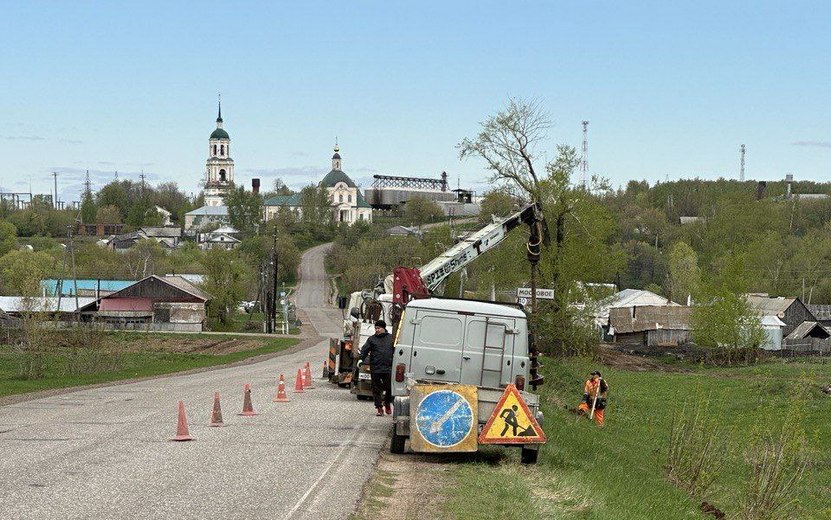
pixel 88 208
pixel 8 237
pixel 245 210
pixel 108 215
pixel 684 275
pixel 725 323
pixel 22 271
pixel 420 210
pixel 316 214
pixel 497 203
pixel 226 280
pixel 114 194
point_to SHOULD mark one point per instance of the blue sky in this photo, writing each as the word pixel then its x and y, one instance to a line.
pixel 670 90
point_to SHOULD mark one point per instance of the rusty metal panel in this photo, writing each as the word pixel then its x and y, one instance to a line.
pixel 444 418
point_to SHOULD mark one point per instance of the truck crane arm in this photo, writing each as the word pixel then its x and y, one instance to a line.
pixel 409 283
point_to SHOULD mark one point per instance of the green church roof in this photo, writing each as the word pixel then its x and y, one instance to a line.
pixel 284 200
pixel 362 203
pixel 336 176
pixel 219 133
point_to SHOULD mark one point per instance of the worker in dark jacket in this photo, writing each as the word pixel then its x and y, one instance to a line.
pixel 379 349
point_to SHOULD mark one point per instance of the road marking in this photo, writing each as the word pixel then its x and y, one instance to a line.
pixel 343 446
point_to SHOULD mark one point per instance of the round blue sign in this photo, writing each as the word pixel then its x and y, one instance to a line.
pixel 444 418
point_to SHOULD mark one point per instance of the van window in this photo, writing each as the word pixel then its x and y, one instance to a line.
pixel 438 330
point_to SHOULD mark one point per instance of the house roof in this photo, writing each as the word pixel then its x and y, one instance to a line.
pixel 649 317
pixel 49 303
pixel 765 305
pixel 68 285
pixel 161 231
pixel 820 312
pixel 292 200
pixel 805 329
pixel 174 281
pixel 219 211
pixel 631 298
pixel 223 238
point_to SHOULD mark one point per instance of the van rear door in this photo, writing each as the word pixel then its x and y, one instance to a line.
pixel 487 358
pixel 437 345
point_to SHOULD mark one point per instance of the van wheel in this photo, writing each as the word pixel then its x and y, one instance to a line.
pixel 397 442
pixel 529 456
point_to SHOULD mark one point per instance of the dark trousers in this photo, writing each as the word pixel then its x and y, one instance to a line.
pixel 381 383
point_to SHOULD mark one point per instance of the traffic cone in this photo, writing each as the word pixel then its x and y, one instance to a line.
pixel 216 413
pixel 298 382
pixel 247 407
pixel 325 371
pixel 307 376
pixel 182 433
pixel 281 396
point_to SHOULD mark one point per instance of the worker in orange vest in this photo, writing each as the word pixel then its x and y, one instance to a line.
pixel 594 398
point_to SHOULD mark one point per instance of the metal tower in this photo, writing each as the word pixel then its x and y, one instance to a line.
pixel 741 168
pixel 584 162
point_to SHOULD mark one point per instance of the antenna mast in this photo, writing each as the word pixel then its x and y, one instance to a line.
pixel 741 168
pixel 584 162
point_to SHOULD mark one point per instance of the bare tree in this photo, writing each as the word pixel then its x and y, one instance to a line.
pixel 508 142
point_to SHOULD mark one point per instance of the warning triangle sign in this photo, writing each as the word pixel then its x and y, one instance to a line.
pixel 512 422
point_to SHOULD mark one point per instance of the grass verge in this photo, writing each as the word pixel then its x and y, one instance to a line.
pixel 618 471
pixel 133 364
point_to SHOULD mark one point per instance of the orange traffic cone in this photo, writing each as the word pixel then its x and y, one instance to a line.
pixel 247 407
pixel 182 433
pixel 298 382
pixel 307 376
pixel 216 413
pixel 281 396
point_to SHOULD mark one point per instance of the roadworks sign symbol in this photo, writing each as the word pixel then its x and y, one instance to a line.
pixel 511 422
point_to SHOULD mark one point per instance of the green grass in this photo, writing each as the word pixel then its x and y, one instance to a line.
pixel 133 364
pixel 617 472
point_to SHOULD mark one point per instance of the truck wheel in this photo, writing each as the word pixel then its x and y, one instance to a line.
pixel 397 442
pixel 529 456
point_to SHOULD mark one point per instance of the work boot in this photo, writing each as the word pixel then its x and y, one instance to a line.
pixel 388 409
pixel 379 411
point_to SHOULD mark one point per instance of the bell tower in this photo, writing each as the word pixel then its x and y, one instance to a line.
pixel 219 166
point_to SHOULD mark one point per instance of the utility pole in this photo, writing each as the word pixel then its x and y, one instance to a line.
pixel 741 167
pixel 55 200
pixel 584 162
pixel 274 284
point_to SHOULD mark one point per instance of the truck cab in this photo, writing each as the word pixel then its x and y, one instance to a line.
pixel 461 342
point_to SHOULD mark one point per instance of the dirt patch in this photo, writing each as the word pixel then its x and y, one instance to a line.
pixel 404 487
pixel 205 345
pixel 614 358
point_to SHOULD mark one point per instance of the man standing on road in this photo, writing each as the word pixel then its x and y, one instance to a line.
pixel 597 388
pixel 379 348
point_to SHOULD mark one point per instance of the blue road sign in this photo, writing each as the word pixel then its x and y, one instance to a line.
pixel 444 418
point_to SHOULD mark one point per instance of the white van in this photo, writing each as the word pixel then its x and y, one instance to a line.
pixel 467 342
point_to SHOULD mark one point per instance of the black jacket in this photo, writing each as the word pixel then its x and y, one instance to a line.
pixel 380 351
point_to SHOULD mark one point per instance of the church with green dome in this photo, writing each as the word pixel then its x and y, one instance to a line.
pixel 348 203
pixel 219 178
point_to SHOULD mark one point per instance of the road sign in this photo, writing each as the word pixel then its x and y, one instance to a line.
pixel 444 419
pixel 522 301
pixel 512 422
pixel 542 294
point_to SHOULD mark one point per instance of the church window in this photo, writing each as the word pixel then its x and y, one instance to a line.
pixel 222 149
pixel 349 198
pixel 340 197
pixel 222 175
pixel 214 149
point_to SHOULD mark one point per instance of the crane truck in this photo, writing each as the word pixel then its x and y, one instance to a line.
pixel 472 351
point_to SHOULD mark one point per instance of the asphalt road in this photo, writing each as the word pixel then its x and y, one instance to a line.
pixel 106 452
